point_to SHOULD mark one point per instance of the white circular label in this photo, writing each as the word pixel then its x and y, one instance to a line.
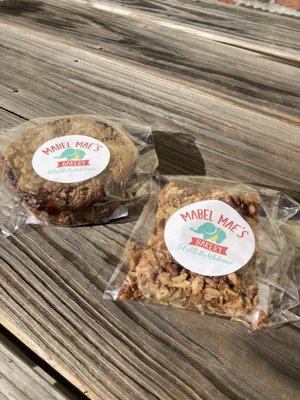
pixel 72 158
pixel 210 238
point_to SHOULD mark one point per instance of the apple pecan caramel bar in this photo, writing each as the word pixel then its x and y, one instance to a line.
pixel 153 273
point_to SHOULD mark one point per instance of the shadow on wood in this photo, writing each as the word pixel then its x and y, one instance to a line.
pixel 178 154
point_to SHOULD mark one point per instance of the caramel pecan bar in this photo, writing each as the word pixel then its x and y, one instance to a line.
pixel 153 274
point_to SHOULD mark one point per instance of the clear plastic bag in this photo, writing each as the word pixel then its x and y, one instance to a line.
pixel 212 246
pixel 73 170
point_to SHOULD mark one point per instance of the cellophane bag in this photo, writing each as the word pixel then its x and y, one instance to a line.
pixel 73 170
pixel 212 246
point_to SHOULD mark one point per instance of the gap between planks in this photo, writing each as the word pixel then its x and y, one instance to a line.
pixel 241 92
pixel 177 26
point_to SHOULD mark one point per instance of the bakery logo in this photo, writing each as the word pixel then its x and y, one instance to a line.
pixel 209 237
pixel 70 158
pixel 73 158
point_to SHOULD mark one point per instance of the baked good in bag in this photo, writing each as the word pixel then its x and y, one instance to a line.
pixel 210 230
pixel 72 170
pixel 213 246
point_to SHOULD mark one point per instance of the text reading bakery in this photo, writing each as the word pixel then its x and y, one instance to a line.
pixel 210 234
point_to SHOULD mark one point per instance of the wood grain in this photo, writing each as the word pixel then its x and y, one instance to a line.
pixel 219 87
pixel 267 83
pixel 227 134
pixel 20 381
pixel 126 351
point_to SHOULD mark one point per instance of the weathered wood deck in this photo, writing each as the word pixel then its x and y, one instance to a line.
pixel 225 78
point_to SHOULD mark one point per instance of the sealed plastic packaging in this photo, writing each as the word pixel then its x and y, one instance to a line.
pixel 213 246
pixel 73 170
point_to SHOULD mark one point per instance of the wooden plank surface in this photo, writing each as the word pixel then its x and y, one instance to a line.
pixel 22 380
pixel 204 75
pixel 130 351
pixel 25 375
pixel 70 76
pixel 232 71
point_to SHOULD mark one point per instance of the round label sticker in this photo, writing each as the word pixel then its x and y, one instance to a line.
pixel 210 238
pixel 72 158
